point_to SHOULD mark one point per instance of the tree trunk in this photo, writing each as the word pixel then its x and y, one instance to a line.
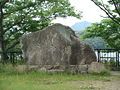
pixel 2 36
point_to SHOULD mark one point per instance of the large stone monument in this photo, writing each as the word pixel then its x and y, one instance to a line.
pixel 56 46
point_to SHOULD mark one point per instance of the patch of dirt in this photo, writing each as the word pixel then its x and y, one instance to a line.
pixel 96 85
pixel 115 73
pixel 112 84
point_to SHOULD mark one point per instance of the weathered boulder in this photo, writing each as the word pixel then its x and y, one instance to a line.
pixel 56 45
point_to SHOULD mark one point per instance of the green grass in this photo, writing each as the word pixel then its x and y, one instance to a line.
pixel 42 81
pixel 13 80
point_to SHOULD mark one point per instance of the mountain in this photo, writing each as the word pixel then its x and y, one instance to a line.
pixel 80 26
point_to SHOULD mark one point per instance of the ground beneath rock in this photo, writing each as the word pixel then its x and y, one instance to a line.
pixel 115 73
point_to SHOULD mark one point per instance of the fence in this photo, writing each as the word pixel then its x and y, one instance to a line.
pixel 13 57
pixel 109 56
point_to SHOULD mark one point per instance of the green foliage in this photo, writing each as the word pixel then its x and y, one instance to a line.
pixel 7 68
pixel 24 16
pixel 106 29
pixel 102 73
pixel 112 63
pixel 96 42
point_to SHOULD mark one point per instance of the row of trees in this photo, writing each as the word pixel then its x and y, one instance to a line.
pixel 18 17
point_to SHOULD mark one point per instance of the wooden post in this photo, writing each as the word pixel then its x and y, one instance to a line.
pixel 117 59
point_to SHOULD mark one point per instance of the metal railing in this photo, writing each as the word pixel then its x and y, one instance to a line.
pixel 108 56
pixel 13 57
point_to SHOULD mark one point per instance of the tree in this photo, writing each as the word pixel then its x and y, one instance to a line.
pixel 108 30
pixel 96 42
pixel 18 17
pixel 111 8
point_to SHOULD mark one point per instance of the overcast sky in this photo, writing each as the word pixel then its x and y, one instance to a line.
pixel 91 12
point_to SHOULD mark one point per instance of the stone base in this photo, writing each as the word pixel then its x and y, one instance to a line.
pixel 48 68
pixel 94 67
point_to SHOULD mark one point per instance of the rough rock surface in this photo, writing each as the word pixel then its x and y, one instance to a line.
pixel 56 45
pixel 96 67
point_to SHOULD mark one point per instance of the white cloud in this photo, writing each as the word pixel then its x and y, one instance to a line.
pixel 68 21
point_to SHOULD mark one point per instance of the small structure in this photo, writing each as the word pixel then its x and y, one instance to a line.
pixel 57 47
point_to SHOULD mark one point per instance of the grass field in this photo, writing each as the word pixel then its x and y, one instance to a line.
pixel 12 80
